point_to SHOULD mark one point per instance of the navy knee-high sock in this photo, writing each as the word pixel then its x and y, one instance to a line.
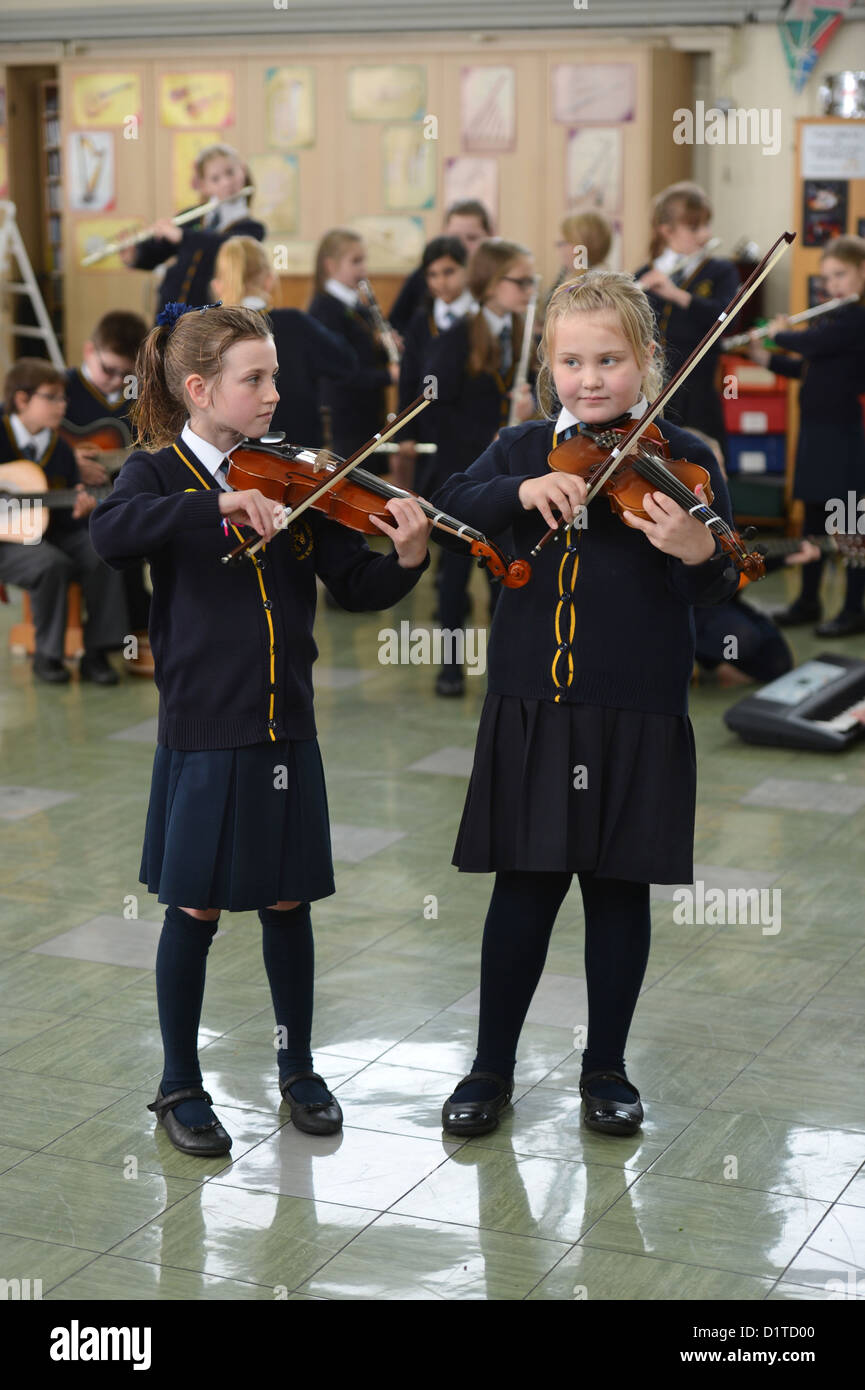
pixel 289 959
pixel 181 964
pixel 519 921
pixel 618 931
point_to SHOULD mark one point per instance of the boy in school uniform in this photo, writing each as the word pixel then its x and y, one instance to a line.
pixel 35 400
pixel 95 392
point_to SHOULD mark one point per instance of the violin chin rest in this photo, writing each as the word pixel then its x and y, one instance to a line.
pixel 272 437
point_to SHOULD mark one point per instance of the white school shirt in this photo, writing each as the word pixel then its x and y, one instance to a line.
pixel 23 437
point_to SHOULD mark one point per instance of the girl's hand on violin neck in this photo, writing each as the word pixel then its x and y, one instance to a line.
pixel 564 491
pixel 251 508
pixel 671 529
pixel 410 534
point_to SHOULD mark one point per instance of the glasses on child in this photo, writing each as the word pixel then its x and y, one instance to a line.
pixel 116 373
pixel 52 395
pixel 525 282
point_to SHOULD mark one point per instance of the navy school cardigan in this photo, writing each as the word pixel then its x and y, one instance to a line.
pixel 633 636
pixel 232 645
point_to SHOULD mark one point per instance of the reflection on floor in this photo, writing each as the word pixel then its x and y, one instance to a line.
pixel 746 1182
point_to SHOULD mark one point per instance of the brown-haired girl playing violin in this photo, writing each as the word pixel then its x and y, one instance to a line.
pixel 238 811
pixel 585 757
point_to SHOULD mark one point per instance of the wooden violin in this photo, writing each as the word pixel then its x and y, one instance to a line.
pixel 648 468
pixel 648 471
pixel 291 475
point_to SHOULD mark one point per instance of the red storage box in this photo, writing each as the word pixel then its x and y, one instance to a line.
pixel 752 379
pixel 765 413
pixel 748 453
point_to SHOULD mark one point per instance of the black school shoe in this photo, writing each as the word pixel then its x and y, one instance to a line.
pixel 610 1116
pixel 319 1117
pixel 476 1116
pixel 843 626
pixel 206 1141
pixel 94 667
pixel 798 614
pixel 48 668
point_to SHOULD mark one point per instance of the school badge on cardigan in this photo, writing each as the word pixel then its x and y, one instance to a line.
pixel 300 535
pixel 704 289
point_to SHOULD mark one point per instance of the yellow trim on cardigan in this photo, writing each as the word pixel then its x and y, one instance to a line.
pixel 563 592
pixel 264 596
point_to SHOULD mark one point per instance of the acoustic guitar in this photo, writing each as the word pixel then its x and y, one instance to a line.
pixel 111 438
pixel 26 501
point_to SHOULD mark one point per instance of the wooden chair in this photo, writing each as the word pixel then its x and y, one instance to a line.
pixel 22 638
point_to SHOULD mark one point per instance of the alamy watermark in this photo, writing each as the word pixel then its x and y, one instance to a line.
pixel 438 646
pixel 734 125
pixel 715 907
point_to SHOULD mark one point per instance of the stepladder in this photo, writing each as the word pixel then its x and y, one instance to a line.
pixel 17 277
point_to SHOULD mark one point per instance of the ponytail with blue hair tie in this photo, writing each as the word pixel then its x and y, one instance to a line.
pixel 167 317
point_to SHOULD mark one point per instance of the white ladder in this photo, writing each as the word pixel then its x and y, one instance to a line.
pixel 10 242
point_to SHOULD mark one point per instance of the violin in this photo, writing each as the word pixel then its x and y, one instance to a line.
pixel 292 476
pixel 612 470
pixel 648 468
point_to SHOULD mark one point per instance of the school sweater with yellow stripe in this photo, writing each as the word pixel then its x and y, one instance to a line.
pixel 233 646
pixel 608 621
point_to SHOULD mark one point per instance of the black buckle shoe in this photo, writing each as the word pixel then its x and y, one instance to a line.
pixel 314 1117
pixel 206 1141
pixel 610 1116
pixel 469 1117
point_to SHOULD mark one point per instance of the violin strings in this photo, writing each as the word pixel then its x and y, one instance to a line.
pixel 673 487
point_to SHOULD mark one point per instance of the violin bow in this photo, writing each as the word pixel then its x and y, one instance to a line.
pixel 614 458
pixel 289 514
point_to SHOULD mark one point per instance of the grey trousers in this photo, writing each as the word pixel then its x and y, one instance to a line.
pixel 46 569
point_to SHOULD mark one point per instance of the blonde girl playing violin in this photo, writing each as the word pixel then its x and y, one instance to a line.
pixel 585 760
pixel 238 810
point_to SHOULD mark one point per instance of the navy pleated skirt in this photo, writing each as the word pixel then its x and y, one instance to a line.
pixel 238 828
pixel 565 787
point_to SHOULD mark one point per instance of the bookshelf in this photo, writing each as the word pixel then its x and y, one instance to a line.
pixel 51 203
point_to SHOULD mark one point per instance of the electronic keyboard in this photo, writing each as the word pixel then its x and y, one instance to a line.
pixel 820 705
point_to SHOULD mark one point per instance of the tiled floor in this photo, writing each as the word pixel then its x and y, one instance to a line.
pixel 747 1180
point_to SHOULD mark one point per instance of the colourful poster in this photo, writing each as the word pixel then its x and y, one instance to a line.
pixel 586 92
pixel 593 169
pixel 186 145
pixel 471 176
pixel 392 93
pixel 105 98
pixel 393 243
pixel 276 188
pixel 94 233
pixel 488 109
pixel 90 170
pixel 289 103
pixel 409 168
pixel 191 100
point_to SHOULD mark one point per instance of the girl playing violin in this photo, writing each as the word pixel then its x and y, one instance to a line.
pixel 238 810
pixel 585 756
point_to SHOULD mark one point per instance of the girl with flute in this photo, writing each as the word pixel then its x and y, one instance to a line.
pixel 218 174
pixel 238 815
pixel 828 357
